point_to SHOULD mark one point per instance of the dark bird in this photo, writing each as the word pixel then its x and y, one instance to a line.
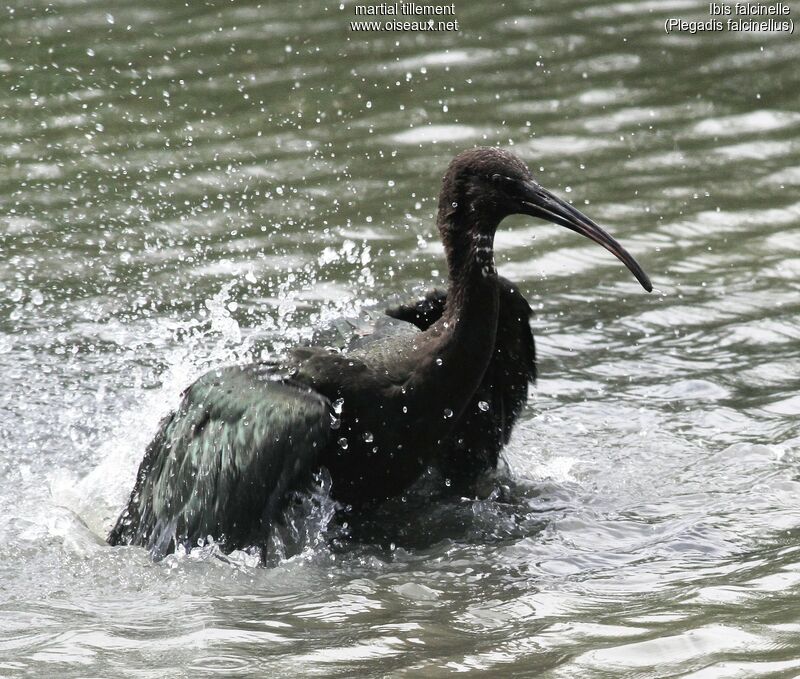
pixel 442 387
pixel 475 443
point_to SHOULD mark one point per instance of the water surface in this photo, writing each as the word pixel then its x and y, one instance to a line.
pixel 188 186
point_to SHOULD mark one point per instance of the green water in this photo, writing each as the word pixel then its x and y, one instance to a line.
pixel 186 185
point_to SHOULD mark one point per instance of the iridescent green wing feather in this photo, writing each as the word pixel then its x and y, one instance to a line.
pixel 225 462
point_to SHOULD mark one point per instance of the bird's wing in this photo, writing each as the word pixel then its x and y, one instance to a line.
pixel 224 462
pixel 422 312
pixel 348 333
pixel 515 322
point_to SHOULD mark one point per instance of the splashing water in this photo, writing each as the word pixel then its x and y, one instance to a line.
pixel 190 206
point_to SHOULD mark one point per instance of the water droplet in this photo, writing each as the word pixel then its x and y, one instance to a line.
pixel 335 422
pixel 448 413
pixel 405 409
pixel 368 437
pixel 337 405
pixel 439 361
pixel 454 204
pixel 483 405
pixel 447 482
pixel 37 298
pixel 342 443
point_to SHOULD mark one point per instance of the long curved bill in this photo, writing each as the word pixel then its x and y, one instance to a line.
pixel 539 202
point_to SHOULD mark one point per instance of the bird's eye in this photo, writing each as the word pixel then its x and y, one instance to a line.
pixel 502 181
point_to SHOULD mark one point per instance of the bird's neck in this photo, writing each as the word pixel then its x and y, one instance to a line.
pixel 469 322
pixel 470 262
pixel 461 343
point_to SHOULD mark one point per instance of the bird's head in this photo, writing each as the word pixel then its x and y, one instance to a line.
pixel 483 186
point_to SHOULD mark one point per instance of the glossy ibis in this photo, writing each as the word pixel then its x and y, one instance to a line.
pixel 443 387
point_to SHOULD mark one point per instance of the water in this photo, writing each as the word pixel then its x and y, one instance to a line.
pixel 187 186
